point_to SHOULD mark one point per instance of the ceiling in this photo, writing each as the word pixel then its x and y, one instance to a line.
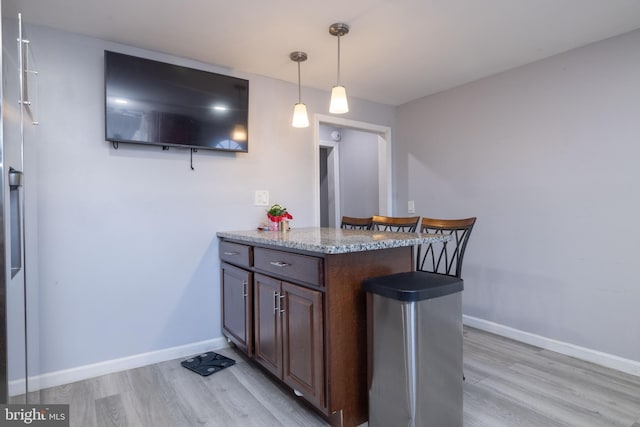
pixel 396 50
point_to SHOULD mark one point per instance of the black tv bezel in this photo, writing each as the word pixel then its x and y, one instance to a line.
pixel 167 145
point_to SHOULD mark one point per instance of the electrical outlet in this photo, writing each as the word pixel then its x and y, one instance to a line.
pixel 411 207
pixel 261 198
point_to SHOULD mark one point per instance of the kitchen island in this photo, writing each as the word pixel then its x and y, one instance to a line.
pixel 292 302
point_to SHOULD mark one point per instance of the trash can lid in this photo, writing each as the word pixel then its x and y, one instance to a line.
pixel 413 285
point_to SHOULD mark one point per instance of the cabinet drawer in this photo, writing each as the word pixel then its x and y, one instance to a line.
pixel 235 253
pixel 301 268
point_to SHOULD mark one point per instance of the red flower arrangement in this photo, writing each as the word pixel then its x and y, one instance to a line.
pixel 277 213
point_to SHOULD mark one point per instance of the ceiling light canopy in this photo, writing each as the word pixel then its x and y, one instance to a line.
pixel 339 104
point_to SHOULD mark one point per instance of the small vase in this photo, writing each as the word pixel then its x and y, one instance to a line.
pixel 283 226
pixel 274 226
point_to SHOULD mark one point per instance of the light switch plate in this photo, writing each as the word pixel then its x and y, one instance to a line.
pixel 261 198
pixel 411 207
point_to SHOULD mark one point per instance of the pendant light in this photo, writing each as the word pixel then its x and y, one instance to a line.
pixel 300 117
pixel 339 104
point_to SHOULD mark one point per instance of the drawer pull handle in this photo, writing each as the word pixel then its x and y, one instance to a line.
pixel 231 253
pixel 245 288
pixel 279 264
pixel 280 303
pixel 275 302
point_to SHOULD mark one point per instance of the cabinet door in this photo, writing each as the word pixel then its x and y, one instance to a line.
pixel 237 304
pixel 268 341
pixel 302 339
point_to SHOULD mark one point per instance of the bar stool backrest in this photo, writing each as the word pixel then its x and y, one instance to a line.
pixel 353 223
pixel 395 223
pixel 444 258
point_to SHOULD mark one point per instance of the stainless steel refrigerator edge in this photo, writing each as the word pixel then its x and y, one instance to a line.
pixel 14 378
pixel 4 383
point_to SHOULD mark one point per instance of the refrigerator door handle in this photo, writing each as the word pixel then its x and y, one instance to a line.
pixel 15 218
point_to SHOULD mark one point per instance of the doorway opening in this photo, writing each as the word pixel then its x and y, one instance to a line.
pixel 354 180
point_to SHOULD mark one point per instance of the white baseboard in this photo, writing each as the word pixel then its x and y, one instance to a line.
pixel 604 359
pixel 66 376
pixel 79 373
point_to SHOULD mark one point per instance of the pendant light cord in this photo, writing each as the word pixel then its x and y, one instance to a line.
pixel 339 83
pixel 299 89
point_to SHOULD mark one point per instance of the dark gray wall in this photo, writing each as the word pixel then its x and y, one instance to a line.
pixel 546 156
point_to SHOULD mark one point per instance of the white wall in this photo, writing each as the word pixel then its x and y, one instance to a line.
pixel 546 156
pixel 127 258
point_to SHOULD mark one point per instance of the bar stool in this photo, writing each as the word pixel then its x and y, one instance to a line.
pixel 395 223
pixel 437 263
pixel 448 260
pixel 353 223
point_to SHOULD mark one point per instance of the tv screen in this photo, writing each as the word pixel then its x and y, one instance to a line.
pixel 151 102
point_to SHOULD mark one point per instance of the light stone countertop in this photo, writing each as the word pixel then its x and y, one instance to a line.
pixel 332 240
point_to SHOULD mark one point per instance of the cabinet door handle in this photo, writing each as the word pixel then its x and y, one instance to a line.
pixel 280 303
pixel 275 302
pixel 279 264
pixel 245 288
pixel 231 253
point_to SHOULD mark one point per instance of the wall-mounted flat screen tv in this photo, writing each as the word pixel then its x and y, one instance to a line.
pixel 151 102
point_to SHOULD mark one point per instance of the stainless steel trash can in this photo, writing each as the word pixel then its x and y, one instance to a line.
pixel 416 333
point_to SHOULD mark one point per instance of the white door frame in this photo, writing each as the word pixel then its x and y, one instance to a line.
pixel 333 172
pixel 384 161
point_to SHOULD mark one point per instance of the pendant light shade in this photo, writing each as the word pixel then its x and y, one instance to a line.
pixel 300 117
pixel 339 103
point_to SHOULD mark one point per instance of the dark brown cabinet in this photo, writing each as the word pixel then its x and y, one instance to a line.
pixel 304 318
pixel 237 306
pixel 289 335
pixel 267 327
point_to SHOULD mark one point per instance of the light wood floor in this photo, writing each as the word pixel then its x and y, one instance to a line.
pixel 507 384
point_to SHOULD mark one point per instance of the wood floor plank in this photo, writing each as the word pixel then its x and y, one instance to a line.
pixel 484 353
pixel 287 410
pixel 484 407
pixel 523 389
pixel 238 401
pixel 118 383
pixel 109 385
pixel 614 405
pixel 79 398
pixel 509 384
pixel 599 373
pixel 195 397
pixel 570 390
pixel 154 399
pixel 110 412
pixel 568 394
